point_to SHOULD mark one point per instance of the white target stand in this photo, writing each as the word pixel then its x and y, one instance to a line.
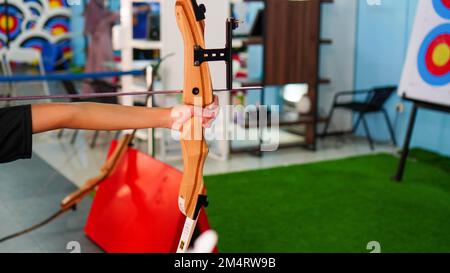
pixel 426 74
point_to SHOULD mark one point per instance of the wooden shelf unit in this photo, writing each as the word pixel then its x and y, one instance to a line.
pixel 287 53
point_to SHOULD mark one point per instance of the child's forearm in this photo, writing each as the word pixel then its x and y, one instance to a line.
pixel 96 116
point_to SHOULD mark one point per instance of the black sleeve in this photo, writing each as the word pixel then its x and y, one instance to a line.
pixel 15 133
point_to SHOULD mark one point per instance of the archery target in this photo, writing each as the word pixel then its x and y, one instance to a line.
pixel 38 2
pixel 426 73
pixel 58 3
pixel 442 8
pixel 434 56
pixel 39 43
pixel 43 44
pixel 11 19
pixel 30 24
pixel 36 12
pixel 36 9
pixel 57 25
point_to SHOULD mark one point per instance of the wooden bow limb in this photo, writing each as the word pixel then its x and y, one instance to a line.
pixel 108 167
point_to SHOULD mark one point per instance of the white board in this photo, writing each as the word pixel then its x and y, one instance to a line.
pixel 426 73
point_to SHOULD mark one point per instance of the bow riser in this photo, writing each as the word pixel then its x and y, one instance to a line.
pixel 197 91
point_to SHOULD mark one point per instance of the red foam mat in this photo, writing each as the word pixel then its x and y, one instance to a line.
pixel 136 208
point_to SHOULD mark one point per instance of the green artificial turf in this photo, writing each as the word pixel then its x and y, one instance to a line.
pixel 334 206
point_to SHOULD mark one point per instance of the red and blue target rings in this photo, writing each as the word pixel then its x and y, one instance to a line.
pixel 434 56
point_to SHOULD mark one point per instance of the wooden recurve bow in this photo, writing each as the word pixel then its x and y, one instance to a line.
pixel 197 90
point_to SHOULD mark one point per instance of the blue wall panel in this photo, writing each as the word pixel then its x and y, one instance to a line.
pixel 382 39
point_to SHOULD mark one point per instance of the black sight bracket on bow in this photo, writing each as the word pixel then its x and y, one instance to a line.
pixel 199 10
pixel 202 55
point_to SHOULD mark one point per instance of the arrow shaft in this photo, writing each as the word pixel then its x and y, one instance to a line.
pixel 113 94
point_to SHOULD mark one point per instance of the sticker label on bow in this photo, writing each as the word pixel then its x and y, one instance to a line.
pixel 181 205
pixel 186 234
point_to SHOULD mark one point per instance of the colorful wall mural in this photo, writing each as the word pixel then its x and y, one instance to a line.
pixel 40 24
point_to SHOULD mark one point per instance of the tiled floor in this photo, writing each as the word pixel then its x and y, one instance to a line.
pixel 31 191
pixel 78 162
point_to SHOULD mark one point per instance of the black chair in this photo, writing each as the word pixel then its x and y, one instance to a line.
pixel 375 99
